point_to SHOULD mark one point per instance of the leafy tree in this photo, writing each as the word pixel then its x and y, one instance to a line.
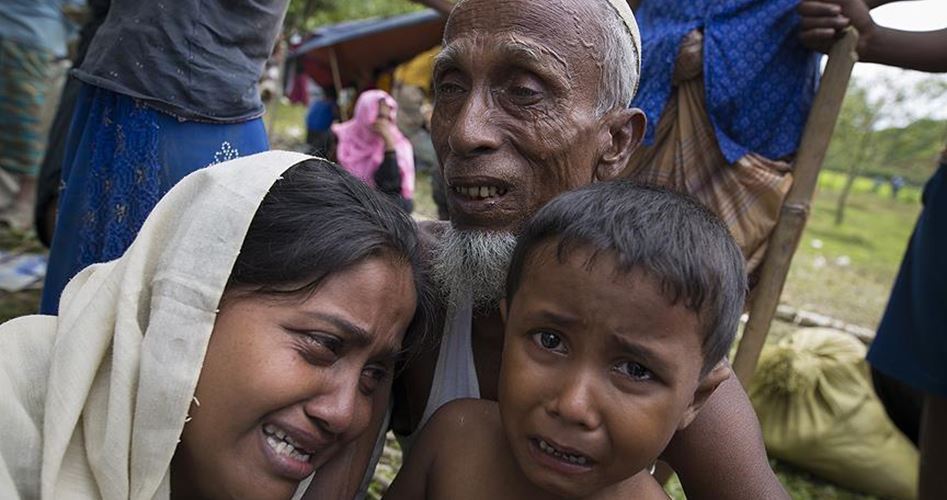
pixel 305 15
pixel 859 145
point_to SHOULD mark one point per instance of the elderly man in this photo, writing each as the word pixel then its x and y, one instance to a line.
pixel 531 99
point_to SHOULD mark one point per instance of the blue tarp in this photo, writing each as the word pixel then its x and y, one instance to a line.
pixel 335 34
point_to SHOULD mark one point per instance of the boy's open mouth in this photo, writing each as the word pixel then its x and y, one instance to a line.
pixel 564 454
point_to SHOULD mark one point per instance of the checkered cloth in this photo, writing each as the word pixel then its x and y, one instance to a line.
pixel 25 72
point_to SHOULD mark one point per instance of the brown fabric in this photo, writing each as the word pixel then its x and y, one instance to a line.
pixel 685 156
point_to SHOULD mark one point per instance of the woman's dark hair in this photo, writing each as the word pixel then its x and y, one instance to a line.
pixel 668 235
pixel 318 220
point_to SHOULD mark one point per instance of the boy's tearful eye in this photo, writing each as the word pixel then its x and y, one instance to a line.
pixel 550 341
pixel 635 371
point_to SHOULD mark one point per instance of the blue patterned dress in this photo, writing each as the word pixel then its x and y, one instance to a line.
pixel 755 69
pixel 121 158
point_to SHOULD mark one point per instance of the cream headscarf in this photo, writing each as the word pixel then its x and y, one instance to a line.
pixel 93 402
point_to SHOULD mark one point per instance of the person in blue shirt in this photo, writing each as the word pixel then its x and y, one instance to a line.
pixel 320 117
pixel 726 87
pixel 33 35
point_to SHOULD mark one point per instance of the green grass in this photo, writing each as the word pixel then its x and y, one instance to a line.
pixel 286 125
pixel 13 305
pixel 804 486
pixel 846 271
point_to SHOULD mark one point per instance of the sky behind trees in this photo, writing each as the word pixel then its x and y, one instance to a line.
pixel 918 15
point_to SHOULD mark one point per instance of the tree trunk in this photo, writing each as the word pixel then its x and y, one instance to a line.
pixel 854 169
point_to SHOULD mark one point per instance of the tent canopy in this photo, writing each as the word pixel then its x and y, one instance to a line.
pixel 360 49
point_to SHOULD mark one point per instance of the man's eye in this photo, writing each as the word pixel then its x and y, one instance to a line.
pixel 448 89
pixel 524 92
pixel 549 340
pixel 635 371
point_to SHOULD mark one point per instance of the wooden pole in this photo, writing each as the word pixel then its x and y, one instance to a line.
pixel 337 81
pixel 275 99
pixel 795 211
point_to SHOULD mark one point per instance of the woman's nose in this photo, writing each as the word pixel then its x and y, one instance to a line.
pixel 339 407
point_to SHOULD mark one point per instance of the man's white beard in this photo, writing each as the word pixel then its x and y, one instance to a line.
pixel 473 263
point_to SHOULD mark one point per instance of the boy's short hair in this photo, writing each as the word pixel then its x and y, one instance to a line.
pixel 669 235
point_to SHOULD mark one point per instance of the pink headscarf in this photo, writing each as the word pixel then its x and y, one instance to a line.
pixel 360 150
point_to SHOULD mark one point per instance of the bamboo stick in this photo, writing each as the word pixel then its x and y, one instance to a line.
pixel 337 80
pixel 795 211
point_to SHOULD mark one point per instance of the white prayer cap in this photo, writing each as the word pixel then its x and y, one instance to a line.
pixel 628 18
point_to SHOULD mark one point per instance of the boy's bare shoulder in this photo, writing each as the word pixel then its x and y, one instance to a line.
pixel 465 428
pixel 470 458
pixel 466 416
pixel 652 490
pixel 642 486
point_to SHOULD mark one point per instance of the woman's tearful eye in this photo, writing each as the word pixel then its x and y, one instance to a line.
pixel 550 341
pixel 317 348
pixel 634 370
pixel 326 342
pixel 372 376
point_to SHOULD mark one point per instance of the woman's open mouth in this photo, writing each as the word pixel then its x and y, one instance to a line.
pixel 289 457
pixel 285 445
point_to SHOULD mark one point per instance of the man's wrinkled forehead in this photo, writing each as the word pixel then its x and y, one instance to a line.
pixel 508 47
pixel 551 29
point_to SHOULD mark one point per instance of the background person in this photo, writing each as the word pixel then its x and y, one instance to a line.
pixel 50 172
pixel 33 34
pixel 371 147
pixel 319 119
pixel 907 354
pixel 244 339
pixel 162 96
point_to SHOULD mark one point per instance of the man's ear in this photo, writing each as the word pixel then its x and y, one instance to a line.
pixel 625 128
pixel 705 388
